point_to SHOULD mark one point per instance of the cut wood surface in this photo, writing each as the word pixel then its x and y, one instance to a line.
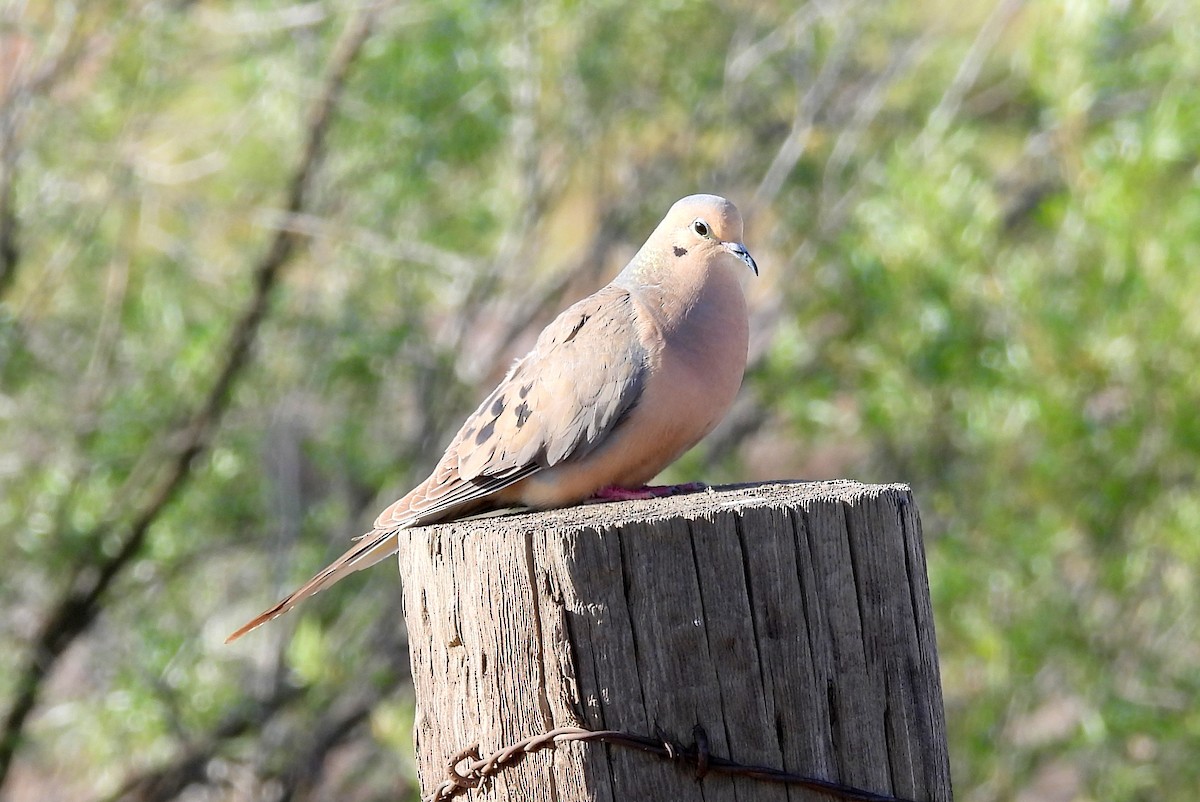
pixel 790 620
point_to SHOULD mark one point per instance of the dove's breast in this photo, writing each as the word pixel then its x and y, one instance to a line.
pixel 696 361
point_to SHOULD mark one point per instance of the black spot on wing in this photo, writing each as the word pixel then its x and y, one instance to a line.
pixel 498 406
pixel 523 412
pixel 582 321
pixel 485 433
pixel 524 391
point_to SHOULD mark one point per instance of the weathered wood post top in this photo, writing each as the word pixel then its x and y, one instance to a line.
pixel 782 625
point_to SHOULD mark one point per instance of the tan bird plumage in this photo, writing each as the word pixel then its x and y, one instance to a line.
pixel 616 388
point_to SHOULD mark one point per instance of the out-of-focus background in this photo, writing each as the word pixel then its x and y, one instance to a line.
pixel 258 259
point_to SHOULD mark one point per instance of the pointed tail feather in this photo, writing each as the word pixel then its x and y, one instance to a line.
pixel 371 549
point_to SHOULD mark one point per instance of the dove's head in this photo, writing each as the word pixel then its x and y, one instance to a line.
pixel 699 230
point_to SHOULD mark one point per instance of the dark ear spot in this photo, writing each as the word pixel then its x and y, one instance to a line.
pixel 680 251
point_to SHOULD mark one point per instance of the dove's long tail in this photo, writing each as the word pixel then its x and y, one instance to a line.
pixel 376 546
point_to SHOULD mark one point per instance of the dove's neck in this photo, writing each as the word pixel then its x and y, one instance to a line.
pixel 703 292
pixel 691 318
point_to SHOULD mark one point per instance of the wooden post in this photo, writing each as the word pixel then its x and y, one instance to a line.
pixel 791 621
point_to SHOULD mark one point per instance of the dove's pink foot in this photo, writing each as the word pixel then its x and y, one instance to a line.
pixel 614 493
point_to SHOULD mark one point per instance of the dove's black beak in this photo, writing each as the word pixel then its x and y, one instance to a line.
pixel 739 250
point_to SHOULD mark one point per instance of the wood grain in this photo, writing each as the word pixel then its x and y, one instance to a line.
pixel 791 620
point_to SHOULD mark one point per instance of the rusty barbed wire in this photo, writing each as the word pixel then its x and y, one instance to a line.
pixel 461 778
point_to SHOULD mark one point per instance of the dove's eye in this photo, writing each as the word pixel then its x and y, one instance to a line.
pixel 701 227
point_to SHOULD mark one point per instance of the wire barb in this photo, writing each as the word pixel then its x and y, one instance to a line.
pixel 473 777
pixel 467 769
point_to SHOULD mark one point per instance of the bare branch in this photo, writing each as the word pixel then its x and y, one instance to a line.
pixel 82 601
pixel 305 760
pixel 167 781
pixel 746 57
pixel 832 212
pixel 968 72
pixel 20 80
pixel 809 106
pixel 532 185
pixel 455 264
pixel 9 252
pixel 304 770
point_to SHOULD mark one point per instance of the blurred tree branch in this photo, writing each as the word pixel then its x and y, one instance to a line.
pixel 303 772
pixel 9 253
pixel 188 767
pixel 943 114
pixel 83 599
pixel 20 80
pixel 810 103
pixel 296 761
pixel 303 768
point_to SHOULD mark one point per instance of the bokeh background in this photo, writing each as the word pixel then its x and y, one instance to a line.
pixel 257 260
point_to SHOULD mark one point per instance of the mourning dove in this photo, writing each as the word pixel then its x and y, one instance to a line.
pixel 615 389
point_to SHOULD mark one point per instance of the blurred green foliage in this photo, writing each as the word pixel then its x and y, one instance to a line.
pixel 978 229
